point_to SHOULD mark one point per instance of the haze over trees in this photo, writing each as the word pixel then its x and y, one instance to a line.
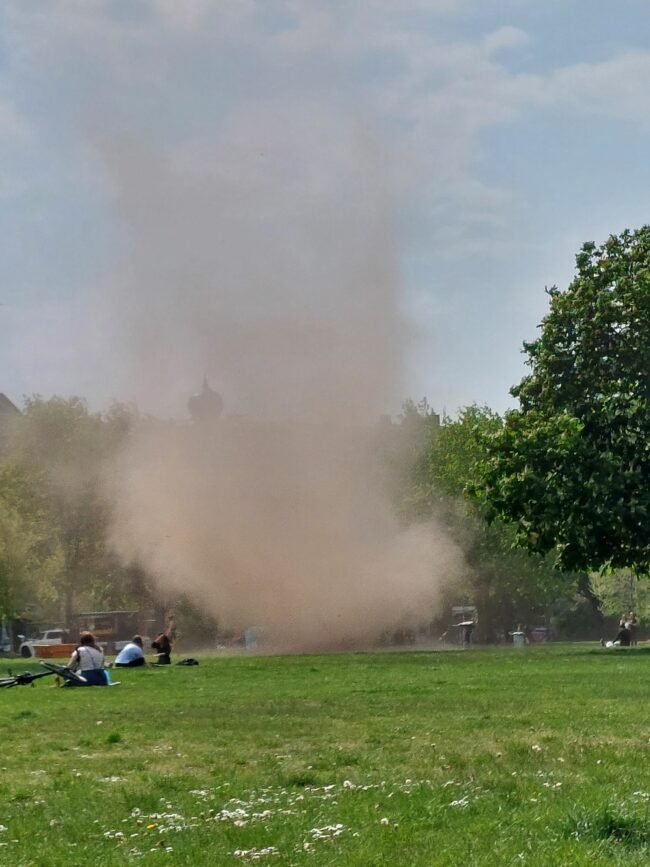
pixel 537 500
pixel 30 555
pixel 508 585
pixel 54 509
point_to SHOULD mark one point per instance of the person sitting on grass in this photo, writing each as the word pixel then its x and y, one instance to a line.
pixel 164 647
pixel 131 655
pixel 88 661
pixel 622 639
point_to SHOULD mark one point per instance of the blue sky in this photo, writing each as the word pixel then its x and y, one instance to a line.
pixel 495 136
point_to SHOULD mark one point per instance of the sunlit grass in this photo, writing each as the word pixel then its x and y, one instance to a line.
pixel 487 757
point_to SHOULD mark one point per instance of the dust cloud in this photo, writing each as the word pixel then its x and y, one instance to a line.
pixel 267 259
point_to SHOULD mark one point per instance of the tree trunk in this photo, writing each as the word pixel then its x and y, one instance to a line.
pixel 586 591
pixel 68 607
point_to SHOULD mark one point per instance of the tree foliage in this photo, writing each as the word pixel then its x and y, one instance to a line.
pixel 571 466
pixel 404 456
pixel 61 452
pixel 30 556
pixel 621 591
pixel 507 585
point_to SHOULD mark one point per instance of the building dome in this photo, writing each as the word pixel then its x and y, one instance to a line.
pixel 205 406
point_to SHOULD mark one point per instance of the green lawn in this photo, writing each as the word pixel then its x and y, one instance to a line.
pixel 487 757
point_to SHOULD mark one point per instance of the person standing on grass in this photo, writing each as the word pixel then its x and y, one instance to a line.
pixel 468 628
pixel 88 660
pixel 131 655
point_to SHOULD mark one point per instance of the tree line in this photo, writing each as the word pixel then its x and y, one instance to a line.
pixel 55 556
pixel 549 502
pixel 54 553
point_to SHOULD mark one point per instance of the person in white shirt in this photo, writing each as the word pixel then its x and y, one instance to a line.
pixel 131 655
pixel 88 660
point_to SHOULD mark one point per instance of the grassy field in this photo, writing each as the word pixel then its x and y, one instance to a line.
pixel 487 757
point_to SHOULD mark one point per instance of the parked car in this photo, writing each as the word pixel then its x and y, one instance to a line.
pixel 48 636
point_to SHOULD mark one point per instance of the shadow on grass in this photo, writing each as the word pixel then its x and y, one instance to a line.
pixel 626 651
pixel 298 780
pixel 611 823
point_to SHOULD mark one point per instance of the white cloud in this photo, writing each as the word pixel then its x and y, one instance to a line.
pixel 431 98
pixel 505 37
pixel 619 87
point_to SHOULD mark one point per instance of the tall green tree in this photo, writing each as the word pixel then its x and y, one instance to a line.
pixel 570 468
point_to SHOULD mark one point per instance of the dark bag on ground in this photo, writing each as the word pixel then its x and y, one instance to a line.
pixel 189 661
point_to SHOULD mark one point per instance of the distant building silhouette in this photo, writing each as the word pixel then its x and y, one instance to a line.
pixel 206 406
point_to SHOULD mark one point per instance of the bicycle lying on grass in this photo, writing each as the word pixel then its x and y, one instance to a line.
pixel 27 678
